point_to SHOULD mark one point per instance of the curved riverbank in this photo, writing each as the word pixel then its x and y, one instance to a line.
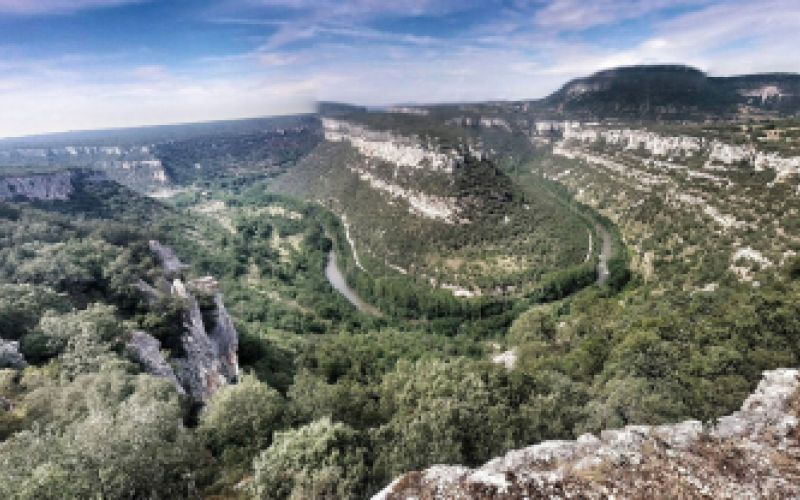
pixel 338 282
pixel 606 251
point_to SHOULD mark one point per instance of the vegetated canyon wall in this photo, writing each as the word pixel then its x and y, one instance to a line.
pixel 743 195
pixel 134 166
pixel 55 186
pixel 209 357
pixel 753 453
pixel 408 158
pixel 718 154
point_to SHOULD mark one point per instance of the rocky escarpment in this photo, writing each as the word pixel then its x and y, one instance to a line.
pixel 209 343
pixel 170 263
pixel 146 349
pixel 55 186
pixel 392 164
pixel 753 453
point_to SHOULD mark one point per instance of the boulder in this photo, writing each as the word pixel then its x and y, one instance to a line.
pixel 10 357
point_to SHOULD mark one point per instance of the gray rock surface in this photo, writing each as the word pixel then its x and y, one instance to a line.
pixel 753 453
pixel 146 349
pixel 169 262
pixel 55 186
pixel 209 360
pixel 10 357
pixel 202 370
pixel 224 335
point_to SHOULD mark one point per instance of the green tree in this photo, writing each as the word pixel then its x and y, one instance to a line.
pixel 109 435
pixel 320 460
pixel 243 415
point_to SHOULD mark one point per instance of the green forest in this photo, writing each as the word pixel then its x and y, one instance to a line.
pixel 331 403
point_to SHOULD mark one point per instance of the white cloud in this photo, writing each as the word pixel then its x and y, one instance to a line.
pixel 38 7
pixel 35 109
pixel 581 14
pixel 505 57
pixel 349 8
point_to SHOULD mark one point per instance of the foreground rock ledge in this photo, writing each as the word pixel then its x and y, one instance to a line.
pixel 754 453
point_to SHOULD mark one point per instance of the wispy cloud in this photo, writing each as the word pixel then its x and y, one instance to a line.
pixel 369 8
pixel 580 14
pixel 276 56
pixel 34 108
pixel 40 7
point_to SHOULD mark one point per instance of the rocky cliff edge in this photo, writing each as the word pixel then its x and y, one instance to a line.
pixel 753 453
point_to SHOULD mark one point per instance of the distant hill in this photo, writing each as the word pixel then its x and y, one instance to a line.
pixel 152 158
pixel 157 133
pixel 671 92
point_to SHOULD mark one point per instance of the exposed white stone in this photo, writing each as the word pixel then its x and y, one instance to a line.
pixel 506 358
pixel 389 147
pixel 441 208
pixel 10 357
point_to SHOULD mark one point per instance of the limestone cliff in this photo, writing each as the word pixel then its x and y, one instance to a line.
pixel 209 343
pixel 146 350
pixel 754 453
pixel 55 186
pixel 210 361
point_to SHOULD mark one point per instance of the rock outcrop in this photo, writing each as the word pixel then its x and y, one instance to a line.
pixel 10 357
pixel 210 361
pixel 47 187
pixel 209 344
pixel 170 263
pixel 146 350
pixel 226 339
pixel 402 151
pixel 754 453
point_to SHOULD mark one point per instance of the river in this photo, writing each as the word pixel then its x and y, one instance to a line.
pixel 605 254
pixel 337 281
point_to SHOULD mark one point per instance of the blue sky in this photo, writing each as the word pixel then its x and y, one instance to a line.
pixel 80 64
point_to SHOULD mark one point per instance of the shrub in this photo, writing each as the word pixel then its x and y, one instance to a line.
pixel 320 460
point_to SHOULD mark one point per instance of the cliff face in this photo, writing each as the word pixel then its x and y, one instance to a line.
pixel 209 360
pixel 146 350
pixel 754 453
pixel 55 186
pixel 392 165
